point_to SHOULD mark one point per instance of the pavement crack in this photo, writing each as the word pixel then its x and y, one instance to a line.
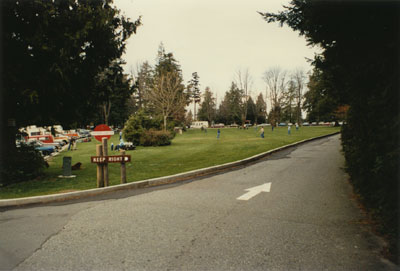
pixel 40 247
pixel 50 236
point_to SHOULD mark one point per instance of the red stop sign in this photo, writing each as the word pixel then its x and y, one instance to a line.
pixel 101 131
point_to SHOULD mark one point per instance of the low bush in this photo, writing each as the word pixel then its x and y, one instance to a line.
pixel 24 164
pixel 137 124
pixel 156 138
pixel 142 130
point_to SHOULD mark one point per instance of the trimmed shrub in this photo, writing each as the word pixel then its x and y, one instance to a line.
pixel 156 138
pixel 142 130
pixel 137 124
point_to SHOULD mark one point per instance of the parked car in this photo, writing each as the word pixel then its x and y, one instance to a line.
pixel 84 133
pixel 218 125
pixel 47 139
pixel 306 124
pixel 44 149
pixel 128 146
pixel 282 124
pixel 57 145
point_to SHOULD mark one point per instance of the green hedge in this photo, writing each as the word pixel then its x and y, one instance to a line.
pixel 371 147
pixel 155 138
pixel 136 126
pixel 145 131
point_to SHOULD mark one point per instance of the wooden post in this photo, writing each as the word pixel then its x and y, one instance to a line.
pixel 100 175
pixel 123 169
pixel 105 166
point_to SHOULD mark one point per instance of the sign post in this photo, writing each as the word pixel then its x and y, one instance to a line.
pixel 102 133
pixel 123 169
pixel 105 166
pixel 100 176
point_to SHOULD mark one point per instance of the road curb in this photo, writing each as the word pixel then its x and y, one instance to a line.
pixel 150 182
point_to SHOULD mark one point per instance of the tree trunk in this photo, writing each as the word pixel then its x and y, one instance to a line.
pixel 298 113
pixel 106 111
pixel 195 115
pixel 165 122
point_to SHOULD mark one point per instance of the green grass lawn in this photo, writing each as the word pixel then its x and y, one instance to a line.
pixel 193 149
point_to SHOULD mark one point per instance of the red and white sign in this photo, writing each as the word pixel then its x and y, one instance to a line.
pixel 101 131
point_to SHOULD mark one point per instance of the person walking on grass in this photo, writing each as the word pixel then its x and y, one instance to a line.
pixel 70 143
pixel 74 143
pixel 262 132
pixel 288 129
pixel 218 133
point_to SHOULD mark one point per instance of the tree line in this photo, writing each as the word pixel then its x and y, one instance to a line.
pixel 284 96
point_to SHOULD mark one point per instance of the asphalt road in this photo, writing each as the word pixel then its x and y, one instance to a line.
pixel 307 221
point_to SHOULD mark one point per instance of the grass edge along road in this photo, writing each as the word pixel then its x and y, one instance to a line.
pixel 194 149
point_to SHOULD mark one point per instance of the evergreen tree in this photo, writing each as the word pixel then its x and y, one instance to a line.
pixel 114 91
pixel 230 108
pixel 52 52
pixel 144 84
pixel 167 95
pixel 207 109
pixel 189 118
pixel 261 109
pixel 251 110
pixel 166 63
pixel 288 107
pixel 318 104
pixel 194 91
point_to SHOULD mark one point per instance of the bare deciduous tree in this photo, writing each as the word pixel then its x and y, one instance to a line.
pixel 244 81
pixel 276 82
pixel 167 95
pixel 299 78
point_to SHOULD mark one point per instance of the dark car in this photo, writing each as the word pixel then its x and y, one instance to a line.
pixel 128 146
pixel 44 149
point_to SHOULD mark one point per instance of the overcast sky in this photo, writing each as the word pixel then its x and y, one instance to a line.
pixel 215 38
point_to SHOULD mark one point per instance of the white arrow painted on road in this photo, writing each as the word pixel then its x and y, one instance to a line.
pixel 254 191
